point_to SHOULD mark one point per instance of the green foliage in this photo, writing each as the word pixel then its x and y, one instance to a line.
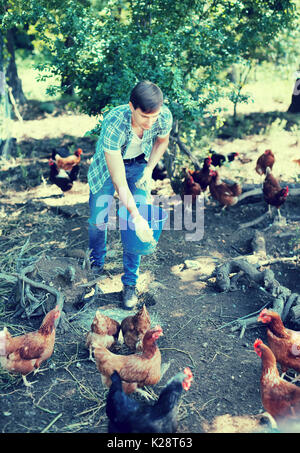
pixel 184 46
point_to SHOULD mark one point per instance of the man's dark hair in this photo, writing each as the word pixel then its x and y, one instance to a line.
pixel 147 96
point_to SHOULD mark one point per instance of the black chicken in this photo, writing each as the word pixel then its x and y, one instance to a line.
pixel 159 171
pixel 127 415
pixel 62 178
pixel 217 159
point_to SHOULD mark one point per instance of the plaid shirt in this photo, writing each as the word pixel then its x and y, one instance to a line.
pixel 115 136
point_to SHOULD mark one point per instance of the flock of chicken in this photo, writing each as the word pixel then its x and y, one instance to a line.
pixel 122 374
pixel 125 374
pixel 64 170
pixel 198 181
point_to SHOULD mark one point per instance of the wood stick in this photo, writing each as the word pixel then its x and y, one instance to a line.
pixel 255 221
pixel 184 148
pixel 249 193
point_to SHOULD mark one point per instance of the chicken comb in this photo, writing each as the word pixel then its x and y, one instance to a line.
pixel 157 328
pixel 262 313
pixel 257 343
pixel 188 372
pixel 186 383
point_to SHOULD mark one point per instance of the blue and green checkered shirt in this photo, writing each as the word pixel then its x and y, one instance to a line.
pixel 115 136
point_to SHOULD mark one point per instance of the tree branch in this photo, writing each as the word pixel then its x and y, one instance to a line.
pixel 185 150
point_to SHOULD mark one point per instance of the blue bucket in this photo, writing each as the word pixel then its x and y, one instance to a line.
pixel 156 218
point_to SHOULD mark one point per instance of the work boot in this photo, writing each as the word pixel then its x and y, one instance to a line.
pixel 130 298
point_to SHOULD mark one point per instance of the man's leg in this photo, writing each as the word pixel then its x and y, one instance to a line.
pixel 131 262
pixel 100 204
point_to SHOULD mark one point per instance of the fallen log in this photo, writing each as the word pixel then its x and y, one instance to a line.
pixel 293 191
pixel 264 278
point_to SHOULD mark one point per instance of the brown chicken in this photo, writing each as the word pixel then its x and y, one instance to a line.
pixel 136 370
pixel 285 343
pixel 225 194
pixel 203 176
pixel 25 353
pixel 190 187
pixel 274 194
pixel 280 398
pixel 134 328
pixel 267 159
pixel 104 332
pixel 67 163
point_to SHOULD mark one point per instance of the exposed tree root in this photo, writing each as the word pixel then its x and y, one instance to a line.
pixel 282 299
pixel 255 221
pixel 24 285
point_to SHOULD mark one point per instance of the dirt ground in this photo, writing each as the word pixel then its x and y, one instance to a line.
pixel 36 222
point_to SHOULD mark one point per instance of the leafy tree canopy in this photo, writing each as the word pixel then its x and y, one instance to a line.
pixel 183 46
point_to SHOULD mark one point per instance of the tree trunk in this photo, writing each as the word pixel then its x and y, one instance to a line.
pixel 12 73
pixel 5 115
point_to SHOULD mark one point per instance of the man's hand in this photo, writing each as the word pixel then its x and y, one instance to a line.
pixel 142 229
pixel 145 181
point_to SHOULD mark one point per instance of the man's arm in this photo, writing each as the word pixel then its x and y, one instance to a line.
pixel 158 150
